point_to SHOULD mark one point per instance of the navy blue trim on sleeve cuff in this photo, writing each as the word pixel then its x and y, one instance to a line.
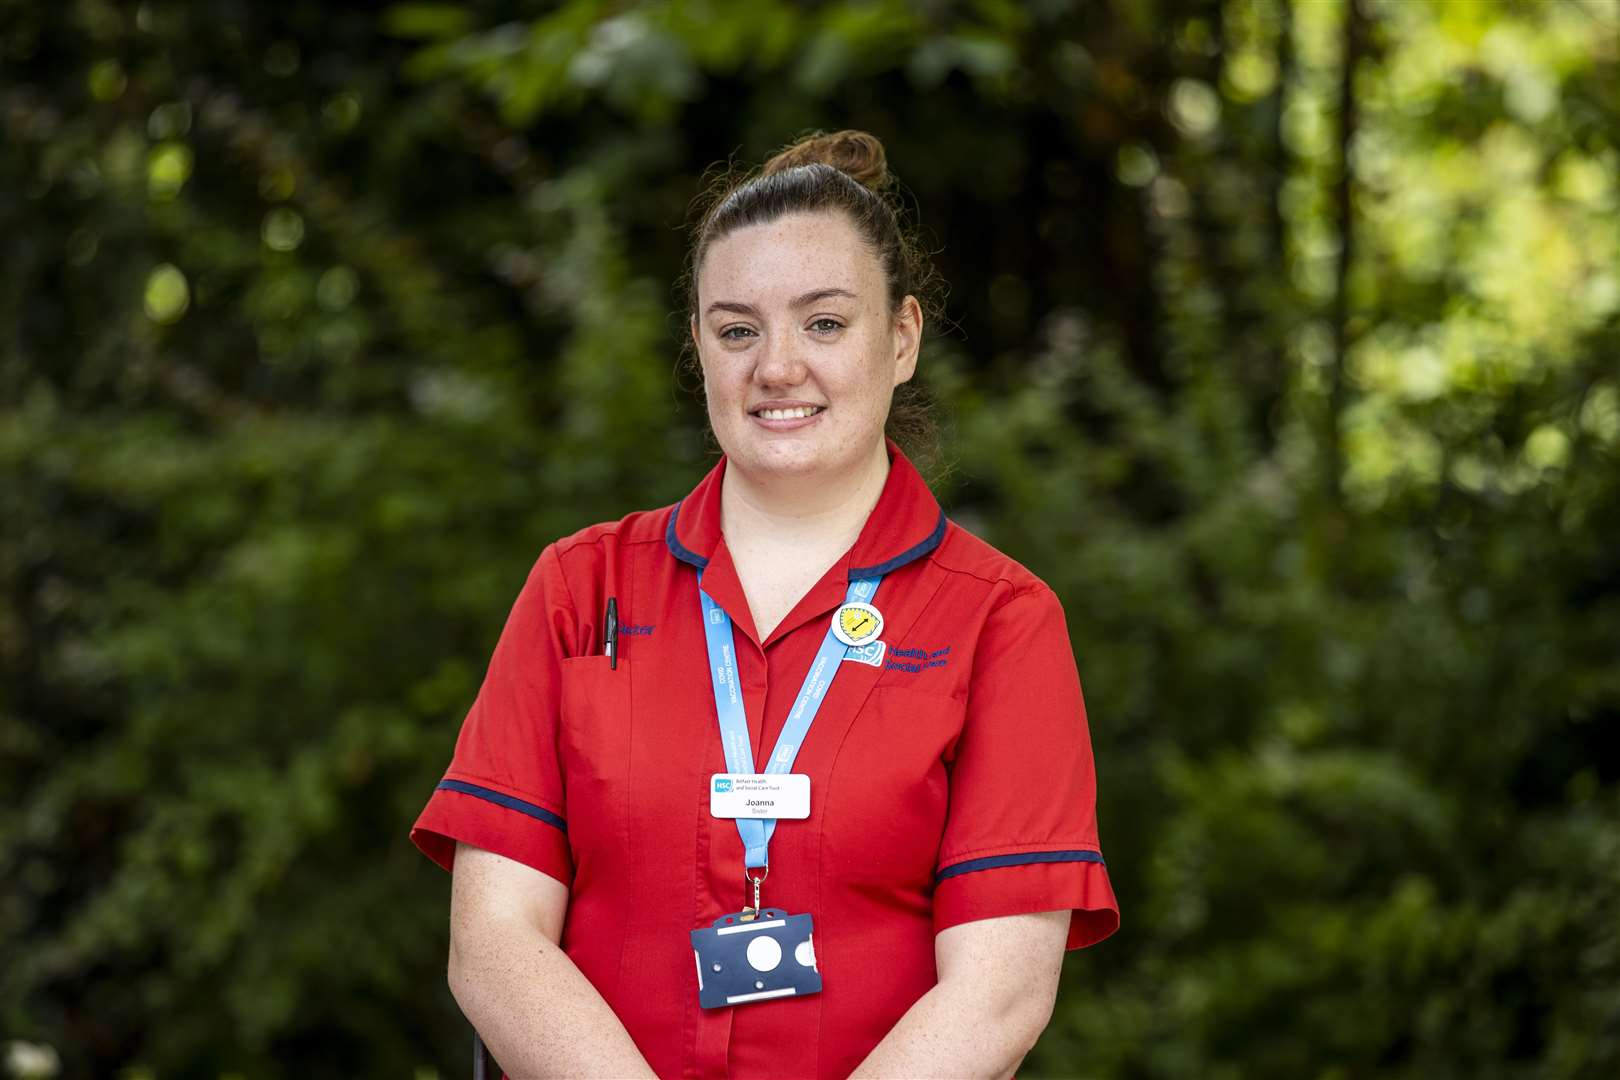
pixel 539 813
pixel 993 862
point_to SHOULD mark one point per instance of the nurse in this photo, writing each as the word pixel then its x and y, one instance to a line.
pixel 793 777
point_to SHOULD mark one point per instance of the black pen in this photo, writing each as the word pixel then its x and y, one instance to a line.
pixel 610 634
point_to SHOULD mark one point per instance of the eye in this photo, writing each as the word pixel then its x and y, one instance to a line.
pixel 826 326
pixel 727 334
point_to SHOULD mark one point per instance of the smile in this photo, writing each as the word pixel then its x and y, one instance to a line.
pixel 798 412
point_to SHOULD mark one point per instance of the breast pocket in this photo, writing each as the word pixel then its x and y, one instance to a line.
pixel 890 786
pixel 594 737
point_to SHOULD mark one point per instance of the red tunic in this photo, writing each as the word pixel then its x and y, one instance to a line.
pixel 955 782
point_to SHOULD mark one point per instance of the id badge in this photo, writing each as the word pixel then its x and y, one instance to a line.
pixel 739 963
pixel 760 795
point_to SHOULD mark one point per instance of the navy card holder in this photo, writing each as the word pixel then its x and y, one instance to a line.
pixel 739 963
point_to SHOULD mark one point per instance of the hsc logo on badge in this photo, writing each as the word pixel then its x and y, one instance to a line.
pixel 721 785
pixel 870 653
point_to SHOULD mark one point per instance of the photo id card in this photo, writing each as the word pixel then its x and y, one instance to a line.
pixel 757 795
pixel 739 963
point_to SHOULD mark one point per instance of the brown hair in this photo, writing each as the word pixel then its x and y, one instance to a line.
pixel 845 172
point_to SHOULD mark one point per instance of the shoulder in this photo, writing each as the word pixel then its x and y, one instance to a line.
pixel 973 561
pixel 638 527
pixel 582 556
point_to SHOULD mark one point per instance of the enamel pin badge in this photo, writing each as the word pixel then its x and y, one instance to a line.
pixel 856 623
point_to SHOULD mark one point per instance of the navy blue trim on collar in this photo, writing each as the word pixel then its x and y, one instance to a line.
pixel 917 551
pixel 994 861
pixel 678 549
pixel 539 813
pixel 862 573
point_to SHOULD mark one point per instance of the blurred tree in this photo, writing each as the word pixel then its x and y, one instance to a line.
pixel 1281 344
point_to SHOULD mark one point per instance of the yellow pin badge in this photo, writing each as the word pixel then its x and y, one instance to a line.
pixel 857 623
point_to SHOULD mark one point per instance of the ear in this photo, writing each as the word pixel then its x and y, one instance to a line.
pixel 908 326
pixel 695 336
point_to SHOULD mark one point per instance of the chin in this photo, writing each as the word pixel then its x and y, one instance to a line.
pixel 783 457
pixel 792 461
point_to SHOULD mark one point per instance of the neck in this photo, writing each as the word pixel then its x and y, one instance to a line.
pixel 801 511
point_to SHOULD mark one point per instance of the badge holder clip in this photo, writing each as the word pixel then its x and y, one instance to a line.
pixel 750 912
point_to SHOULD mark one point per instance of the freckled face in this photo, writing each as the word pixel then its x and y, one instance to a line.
pixel 800 350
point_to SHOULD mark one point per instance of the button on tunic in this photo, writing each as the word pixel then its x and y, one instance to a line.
pixel 951 782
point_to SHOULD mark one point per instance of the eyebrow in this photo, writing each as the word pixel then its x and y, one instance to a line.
pixel 798 301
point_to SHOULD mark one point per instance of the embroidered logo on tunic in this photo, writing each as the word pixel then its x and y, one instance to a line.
pixel 915 660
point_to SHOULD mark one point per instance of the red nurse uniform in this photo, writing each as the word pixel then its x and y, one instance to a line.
pixel 954 782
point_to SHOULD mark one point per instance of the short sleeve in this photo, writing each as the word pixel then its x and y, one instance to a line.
pixel 1021 830
pixel 503 791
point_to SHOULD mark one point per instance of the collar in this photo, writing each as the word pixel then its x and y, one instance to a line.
pixel 904 525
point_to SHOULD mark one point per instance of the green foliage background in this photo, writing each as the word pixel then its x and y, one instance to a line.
pixel 1282 343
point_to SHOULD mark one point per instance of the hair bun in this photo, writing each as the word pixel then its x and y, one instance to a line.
pixel 857 153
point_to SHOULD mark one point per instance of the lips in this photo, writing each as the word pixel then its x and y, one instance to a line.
pixel 787 412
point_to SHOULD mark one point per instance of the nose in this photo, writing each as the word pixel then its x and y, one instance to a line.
pixel 778 361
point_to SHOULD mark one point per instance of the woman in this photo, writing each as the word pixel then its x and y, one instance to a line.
pixel 934 848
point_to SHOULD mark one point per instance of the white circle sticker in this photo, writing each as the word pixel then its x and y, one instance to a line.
pixel 764 953
pixel 857 623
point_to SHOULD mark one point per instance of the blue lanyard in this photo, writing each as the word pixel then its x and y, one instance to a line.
pixel 756 832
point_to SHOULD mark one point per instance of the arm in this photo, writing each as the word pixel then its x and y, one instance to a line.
pixel 537 1013
pixel 997 981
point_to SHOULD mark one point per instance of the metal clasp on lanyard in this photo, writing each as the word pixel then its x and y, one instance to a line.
pixel 751 912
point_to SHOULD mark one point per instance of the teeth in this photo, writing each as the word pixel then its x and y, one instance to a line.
pixel 798 413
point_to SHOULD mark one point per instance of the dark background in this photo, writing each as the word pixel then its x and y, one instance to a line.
pixel 1280 340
